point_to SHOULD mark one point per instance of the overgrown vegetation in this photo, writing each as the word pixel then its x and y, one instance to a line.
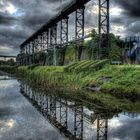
pixel 99 76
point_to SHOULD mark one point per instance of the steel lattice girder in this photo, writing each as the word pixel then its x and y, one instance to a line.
pixel 39 42
pixel 77 6
pixel 63 112
pixel 53 107
pixel 64 31
pixel 78 121
pixel 102 128
pixel 79 23
pixel 104 17
pixel 103 27
pixel 36 45
pixel 45 39
pixel 53 36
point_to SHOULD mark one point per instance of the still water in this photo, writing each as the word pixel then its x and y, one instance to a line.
pixel 26 114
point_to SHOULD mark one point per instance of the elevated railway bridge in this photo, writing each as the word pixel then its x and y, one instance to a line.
pixel 46 38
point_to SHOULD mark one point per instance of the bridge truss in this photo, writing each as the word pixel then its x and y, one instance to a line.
pixel 45 39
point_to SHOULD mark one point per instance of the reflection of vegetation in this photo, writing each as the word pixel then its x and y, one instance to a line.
pixel 7 68
pixel 110 102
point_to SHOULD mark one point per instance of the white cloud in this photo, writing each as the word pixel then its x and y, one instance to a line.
pixel 7 8
pixel 116 11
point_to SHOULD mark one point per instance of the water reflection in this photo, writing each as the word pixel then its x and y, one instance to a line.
pixel 73 119
pixel 19 120
pixel 6 125
pixel 70 117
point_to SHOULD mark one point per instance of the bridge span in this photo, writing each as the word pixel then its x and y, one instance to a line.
pixel 46 39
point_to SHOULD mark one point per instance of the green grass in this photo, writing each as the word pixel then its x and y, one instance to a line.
pixel 121 81
pixel 85 65
pixel 8 69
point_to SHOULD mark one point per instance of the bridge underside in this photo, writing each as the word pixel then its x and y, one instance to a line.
pixel 48 41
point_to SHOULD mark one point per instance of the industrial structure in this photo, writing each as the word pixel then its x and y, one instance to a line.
pixel 45 40
pixel 132 50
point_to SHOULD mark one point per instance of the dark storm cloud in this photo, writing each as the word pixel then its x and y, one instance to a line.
pixel 129 17
pixel 6 111
pixel 117 20
pixel 30 16
pixel 6 19
pixel 132 7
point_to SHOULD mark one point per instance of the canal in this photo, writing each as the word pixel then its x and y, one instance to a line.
pixel 28 114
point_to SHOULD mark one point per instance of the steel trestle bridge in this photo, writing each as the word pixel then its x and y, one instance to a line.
pixel 46 38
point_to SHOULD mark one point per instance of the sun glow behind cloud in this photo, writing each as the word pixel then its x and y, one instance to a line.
pixel 11 9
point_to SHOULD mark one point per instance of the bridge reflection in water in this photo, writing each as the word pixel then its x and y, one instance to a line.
pixel 69 117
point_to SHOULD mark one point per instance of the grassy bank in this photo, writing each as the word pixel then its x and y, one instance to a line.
pixel 121 81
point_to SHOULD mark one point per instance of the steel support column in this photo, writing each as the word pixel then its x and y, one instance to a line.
pixel 29 57
pixel 33 51
pixel 53 42
pixel 36 45
pixel 42 41
pixel 53 36
pixel 22 51
pixel 64 31
pixel 78 121
pixel 79 30
pixel 102 128
pixel 104 43
pixel 26 50
pixel 63 38
pixel 39 43
pixel 46 40
pixel 53 107
pixel 63 112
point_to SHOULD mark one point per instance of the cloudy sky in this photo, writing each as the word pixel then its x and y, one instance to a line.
pixel 21 18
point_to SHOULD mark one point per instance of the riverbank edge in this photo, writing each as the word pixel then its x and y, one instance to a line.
pixel 119 81
pixel 53 78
